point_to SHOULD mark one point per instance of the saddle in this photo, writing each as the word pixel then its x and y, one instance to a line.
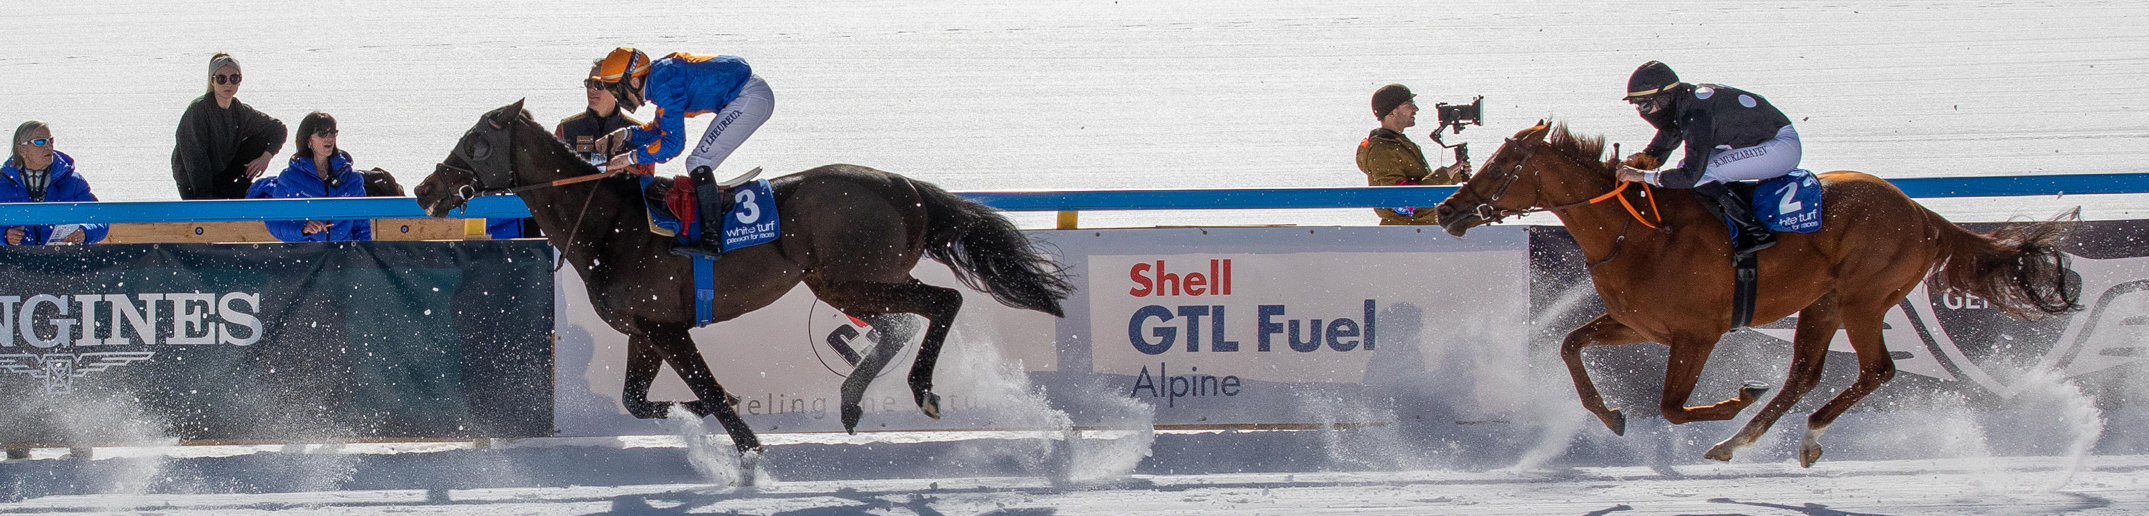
pixel 673 204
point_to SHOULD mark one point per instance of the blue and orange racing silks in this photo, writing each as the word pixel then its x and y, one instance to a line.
pixel 683 85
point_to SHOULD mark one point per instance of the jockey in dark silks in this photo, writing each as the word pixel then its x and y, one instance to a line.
pixel 684 85
pixel 1729 134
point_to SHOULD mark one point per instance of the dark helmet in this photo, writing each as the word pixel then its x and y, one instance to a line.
pixel 1652 78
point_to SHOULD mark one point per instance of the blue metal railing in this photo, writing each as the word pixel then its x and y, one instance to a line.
pixel 1060 200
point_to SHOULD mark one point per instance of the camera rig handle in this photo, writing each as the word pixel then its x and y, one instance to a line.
pixel 1453 118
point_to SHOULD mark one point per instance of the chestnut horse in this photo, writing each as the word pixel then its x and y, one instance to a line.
pixel 852 234
pixel 1673 284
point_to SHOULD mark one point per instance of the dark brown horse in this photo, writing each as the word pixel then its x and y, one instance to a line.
pixel 852 234
pixel 1673 285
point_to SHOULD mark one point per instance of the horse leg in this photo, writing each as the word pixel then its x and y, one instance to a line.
pixel 1601 331
pixel 642 363
pixel 938 305
pixel 1688 355
pixel 679 351
pixel 892 337
pixel 1875 367
pixel 1809 350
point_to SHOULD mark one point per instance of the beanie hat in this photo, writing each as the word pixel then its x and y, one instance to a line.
pixel 1389 97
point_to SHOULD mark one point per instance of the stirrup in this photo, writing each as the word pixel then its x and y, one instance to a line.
pixel 1756 245
pixel 742 179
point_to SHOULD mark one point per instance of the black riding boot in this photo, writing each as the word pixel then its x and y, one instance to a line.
pixel 709 207
pixel 1753 236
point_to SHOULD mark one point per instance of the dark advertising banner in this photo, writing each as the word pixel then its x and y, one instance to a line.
pixel 124 343
pixel 1941 341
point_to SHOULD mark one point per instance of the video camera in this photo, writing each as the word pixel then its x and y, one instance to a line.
pixel 1455 117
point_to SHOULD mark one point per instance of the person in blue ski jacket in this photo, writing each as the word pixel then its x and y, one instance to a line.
pixel 685 85
pixel 319 169
pixel 35 172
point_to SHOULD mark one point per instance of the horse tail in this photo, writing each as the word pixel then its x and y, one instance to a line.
pixel 988 254
pixel 2019 268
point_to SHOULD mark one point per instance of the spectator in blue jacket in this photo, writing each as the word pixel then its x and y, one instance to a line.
pixel 319 169
pixel 37 173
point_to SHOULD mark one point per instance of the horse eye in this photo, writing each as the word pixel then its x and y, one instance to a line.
pixel 479 149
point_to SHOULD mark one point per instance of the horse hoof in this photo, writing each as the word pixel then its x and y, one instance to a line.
pixel 749 467
pixel 851 415
pixel 1753 390
pixel 930 403
pixel 1807 455
pixel 1722 451
pixel 1617 422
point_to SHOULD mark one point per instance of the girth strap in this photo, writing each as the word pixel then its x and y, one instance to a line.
pixel 1742 290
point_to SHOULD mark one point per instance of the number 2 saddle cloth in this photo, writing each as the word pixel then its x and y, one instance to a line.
pixel 1790 203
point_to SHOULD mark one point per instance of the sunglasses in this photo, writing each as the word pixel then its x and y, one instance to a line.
pixel 327 133
pixel 227 79
pixel 39 142
pixel 593 84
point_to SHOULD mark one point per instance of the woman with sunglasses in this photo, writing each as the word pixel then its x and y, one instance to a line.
pixel 318 169
pixel 223 144
pixel 34 172
pixel 1729 134
pixel 683 85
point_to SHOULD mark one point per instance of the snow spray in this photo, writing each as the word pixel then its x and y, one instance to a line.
pixel 716 460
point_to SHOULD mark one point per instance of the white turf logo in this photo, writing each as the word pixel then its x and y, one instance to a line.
pixel 59 370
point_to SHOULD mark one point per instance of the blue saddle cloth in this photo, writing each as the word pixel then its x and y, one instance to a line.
pixel 1790 203
pixel 752 221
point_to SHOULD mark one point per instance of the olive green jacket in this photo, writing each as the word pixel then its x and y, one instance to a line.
pixel 1390 158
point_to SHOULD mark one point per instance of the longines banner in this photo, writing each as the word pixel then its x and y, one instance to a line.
pixel 274 341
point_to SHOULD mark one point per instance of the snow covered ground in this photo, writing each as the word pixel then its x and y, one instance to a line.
pixel 1109 94
pixel 1217 473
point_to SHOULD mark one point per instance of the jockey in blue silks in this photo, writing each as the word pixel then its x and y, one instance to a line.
pixel 685 85
pixel 1729 134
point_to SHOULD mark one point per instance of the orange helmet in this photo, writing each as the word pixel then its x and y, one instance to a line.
pixel 623 62
pixel 614 70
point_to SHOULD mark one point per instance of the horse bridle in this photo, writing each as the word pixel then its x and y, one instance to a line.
pixel 491 164
pixel 492 167
pixel 1485 210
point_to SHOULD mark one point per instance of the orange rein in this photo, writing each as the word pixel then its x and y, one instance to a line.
pixel 1646 192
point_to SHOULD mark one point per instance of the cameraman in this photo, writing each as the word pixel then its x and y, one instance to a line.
pixel 1389 158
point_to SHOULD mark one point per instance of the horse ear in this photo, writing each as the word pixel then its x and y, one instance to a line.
pixel 508 114
pixel 1535 132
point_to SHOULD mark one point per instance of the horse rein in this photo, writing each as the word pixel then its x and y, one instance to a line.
pixel 1490 213
pixel 1486 210
pixel 467 191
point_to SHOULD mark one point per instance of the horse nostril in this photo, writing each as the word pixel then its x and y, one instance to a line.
pixel 1443 209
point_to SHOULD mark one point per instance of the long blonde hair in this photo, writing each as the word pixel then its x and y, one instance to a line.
pixel 21 131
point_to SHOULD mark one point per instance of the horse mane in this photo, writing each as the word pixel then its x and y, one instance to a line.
pixel 1583 149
